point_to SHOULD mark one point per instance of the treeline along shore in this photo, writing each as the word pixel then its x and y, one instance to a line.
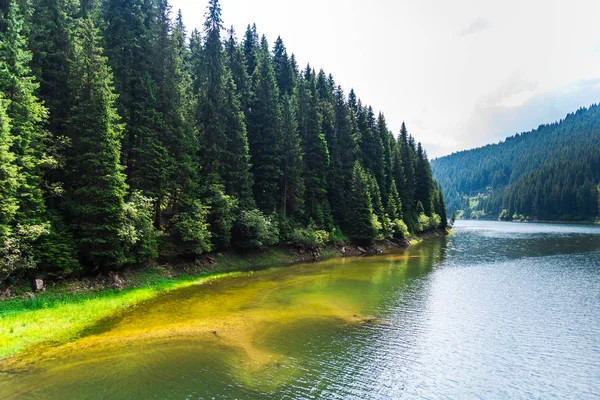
pixel 126 139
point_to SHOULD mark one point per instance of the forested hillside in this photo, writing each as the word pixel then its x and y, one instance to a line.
pixel 124 138
pixel 550 173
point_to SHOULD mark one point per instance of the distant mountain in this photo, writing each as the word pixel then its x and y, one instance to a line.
pixel 549 173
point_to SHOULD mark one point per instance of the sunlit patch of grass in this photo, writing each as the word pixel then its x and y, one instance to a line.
pixel 60 317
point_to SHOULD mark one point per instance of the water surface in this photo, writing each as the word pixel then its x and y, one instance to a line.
pixel 497 311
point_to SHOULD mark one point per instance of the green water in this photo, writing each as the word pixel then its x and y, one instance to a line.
pixel 496 311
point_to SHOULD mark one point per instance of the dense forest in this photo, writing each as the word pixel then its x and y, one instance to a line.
pixel 550 173
pixel 124 138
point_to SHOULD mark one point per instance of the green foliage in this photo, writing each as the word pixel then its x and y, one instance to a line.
pixel 265 135
pixel 293 184
pixel 96 185
pixel 309 236
pixel 9 180
pixel 17 249
pixel 424 222
pixel 140 238
pixel 316 152
pixel 57 249
pixel 337 236
pixel 253 229
pixel 221 215
pixel 189 230
pixel 428 223
pixel 400 228
pixel 22 148
pixel 361 225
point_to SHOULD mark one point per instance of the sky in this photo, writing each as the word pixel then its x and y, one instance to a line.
pixel 461 73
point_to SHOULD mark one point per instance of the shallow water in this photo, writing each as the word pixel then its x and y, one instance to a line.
pixel 498 310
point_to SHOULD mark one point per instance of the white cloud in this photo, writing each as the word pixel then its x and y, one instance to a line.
pixel 478 25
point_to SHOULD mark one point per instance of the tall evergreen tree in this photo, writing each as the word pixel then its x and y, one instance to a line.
pixel 265 135
pixel 283 68
pixel 424 181
pixel 177 106
pixel 236 175
pixel 96 184
pixel 237 65
pixel 133 45
pixel 26 115
pixel 407 157
pixel 51 23
pixel 9 204
pixel 212 96
pixel 251 50
pixel 316 153
pixel 360 208
pixel 292 185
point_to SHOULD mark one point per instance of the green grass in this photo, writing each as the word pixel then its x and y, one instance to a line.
pixel 60 317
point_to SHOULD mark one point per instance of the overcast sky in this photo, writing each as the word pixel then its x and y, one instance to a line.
pixel 461 73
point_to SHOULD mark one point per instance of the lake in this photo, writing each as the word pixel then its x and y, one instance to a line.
pixel 495 311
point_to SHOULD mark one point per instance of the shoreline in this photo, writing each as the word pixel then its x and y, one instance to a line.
pixel 67 308
pixel 588 222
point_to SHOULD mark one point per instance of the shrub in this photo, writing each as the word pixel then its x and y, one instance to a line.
pixel 17 251
pixel 221 216
pixel 189 230
pixel 58 250
pixel 253 229
pixel 336 236
pixel 400 229
pixel 309 236
pixel 140 238
pixel 435 221
pixel 424 223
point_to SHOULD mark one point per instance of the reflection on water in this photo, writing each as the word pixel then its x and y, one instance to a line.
pixel 495 311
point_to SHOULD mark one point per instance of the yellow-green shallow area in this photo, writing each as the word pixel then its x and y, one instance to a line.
pixel 64 313
pixel 240 322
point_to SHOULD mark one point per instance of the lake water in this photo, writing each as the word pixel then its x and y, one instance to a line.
pixel 496 311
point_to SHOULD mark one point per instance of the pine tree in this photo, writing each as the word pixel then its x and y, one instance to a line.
pixel 393 207
pixel 439 206
pixel 135 52
pixel 378 208
pixel 408 201
pixel 283 69
pixel 265 135
pixel 316 153
pixel 251 50
pixel 360 209
pixel 424 181
pixel 9 203
pixel 236 173
pixel 177 106
pixel 292 185
pixel 237 65
pixel 335 184
pixel 384 165
pixel 96 184
pixel 23 129
pixel 51 24
pixel 213 135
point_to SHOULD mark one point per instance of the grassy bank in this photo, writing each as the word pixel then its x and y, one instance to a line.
pixel 66 309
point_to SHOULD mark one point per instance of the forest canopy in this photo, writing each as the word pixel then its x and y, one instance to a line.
pixel 125 138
